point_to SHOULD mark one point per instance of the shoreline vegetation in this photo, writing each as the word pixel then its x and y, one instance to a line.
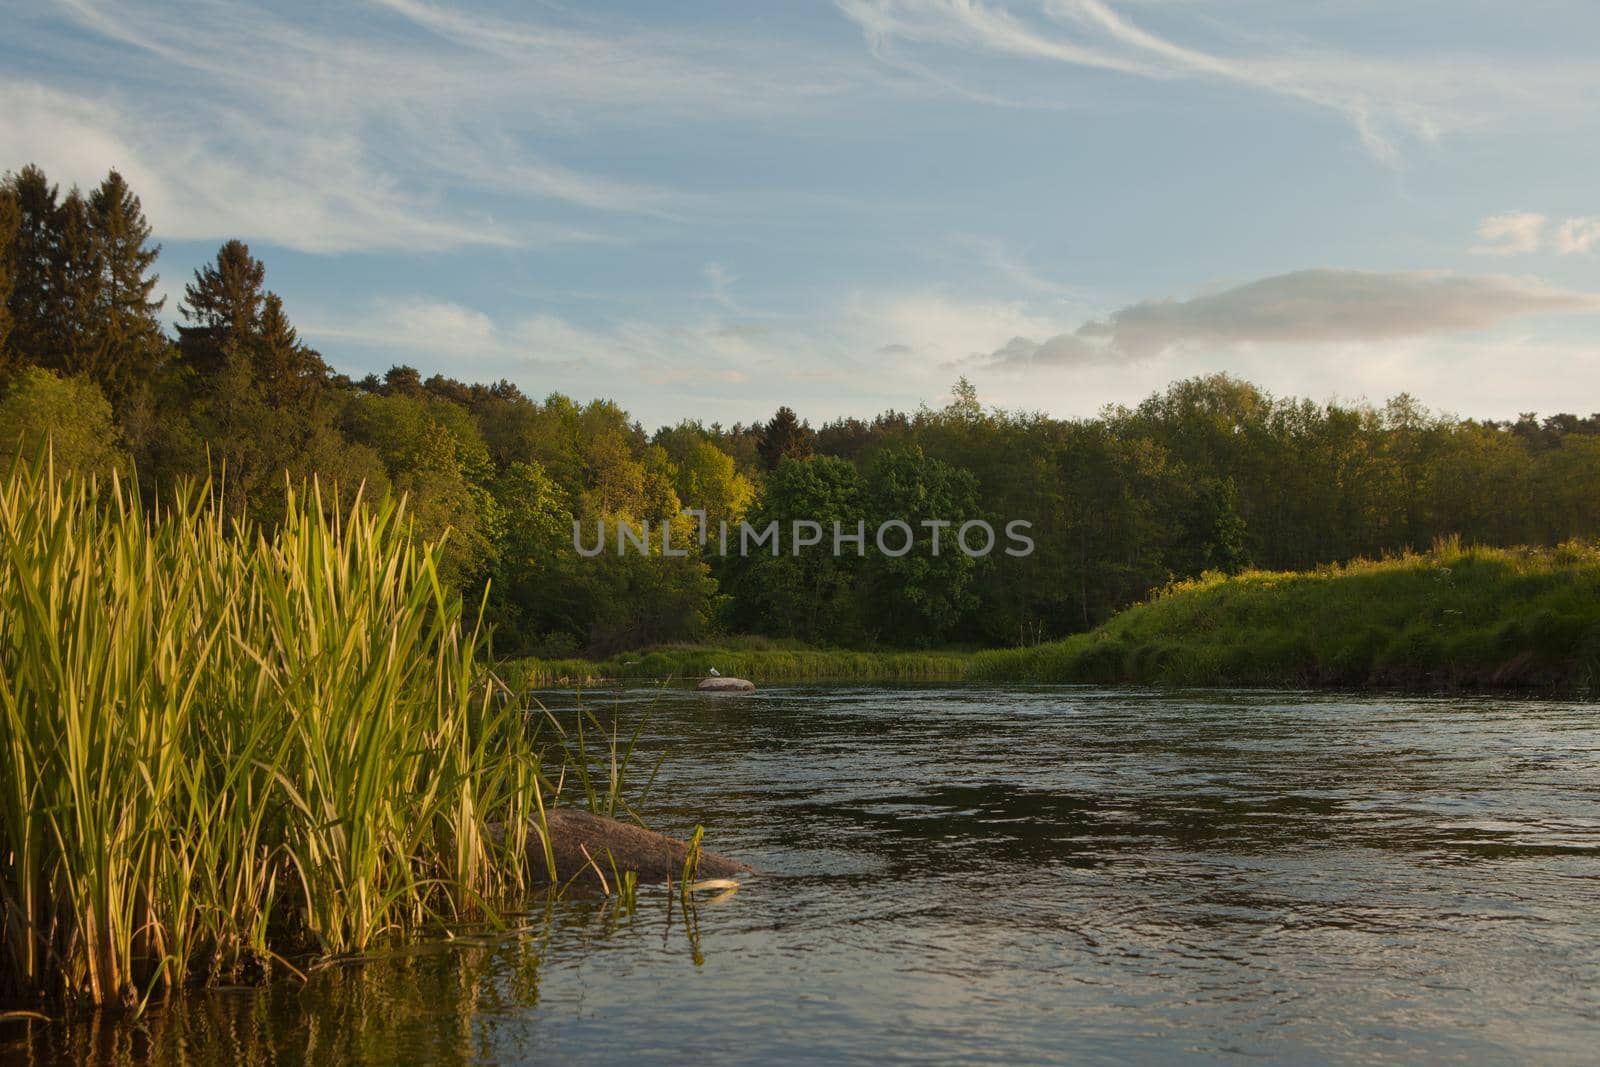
pixel 1453 618
pixel 224 750
pixel 1208 474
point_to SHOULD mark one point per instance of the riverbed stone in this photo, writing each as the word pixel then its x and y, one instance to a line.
pixel 726 685
pixel 577 836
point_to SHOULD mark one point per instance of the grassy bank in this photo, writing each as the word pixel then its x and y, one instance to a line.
pixel 1447 619
pixel 221 749
pixel 753 658
pixel 1450 618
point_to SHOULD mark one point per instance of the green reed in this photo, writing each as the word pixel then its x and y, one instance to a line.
pixel 221 747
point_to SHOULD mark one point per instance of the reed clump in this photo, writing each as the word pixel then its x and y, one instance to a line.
pixel 224 749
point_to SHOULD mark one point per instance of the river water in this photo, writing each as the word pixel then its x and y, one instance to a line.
pixel 972 874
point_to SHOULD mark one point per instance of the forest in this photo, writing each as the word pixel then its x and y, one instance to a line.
pixel 1212 475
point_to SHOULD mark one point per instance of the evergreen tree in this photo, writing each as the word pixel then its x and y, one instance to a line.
pixel 784 436
pixel 34 300
pixel 222 304
pixel 289 372
pixel 126 337
pixel 8 234
pixel 78 279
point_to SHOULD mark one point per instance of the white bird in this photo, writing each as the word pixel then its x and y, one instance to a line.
pixel 715 673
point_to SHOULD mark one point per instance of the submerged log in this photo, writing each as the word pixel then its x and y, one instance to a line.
pixel 726 685
pixel 576 837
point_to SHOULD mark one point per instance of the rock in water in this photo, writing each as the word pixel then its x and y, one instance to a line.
pixel 651 856
pixel 726 685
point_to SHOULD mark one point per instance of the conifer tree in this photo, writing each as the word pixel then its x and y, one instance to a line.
pixel 34 300
pixel 289 372
pixel 128 341
pixel 8 234
pixel 77 273
pixel 784 435
pixel 223 304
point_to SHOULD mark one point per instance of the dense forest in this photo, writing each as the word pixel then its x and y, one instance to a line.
pixel 1211 475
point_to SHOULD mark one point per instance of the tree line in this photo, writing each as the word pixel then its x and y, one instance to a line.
pixel 1210 474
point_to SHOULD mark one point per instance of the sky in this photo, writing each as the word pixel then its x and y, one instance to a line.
pixel 709 209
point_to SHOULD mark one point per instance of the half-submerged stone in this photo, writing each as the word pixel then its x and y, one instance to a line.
pixel 580 842
pixel 726 685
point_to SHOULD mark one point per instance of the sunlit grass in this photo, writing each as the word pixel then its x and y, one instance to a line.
pixel 760 665
pixel 221 748
pixel 1454 616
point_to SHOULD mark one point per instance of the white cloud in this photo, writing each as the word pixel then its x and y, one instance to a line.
pixel 1313 333
pixel 688 352
pixel 376 132
pixel 1578 235
pixel 1513 233
pixel 308 190
pixel 721 283
pixel 933 327
pixel 1319 306
pixel 1417 97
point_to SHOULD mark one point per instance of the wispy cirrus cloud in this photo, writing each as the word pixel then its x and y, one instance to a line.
pixel 332 134
pixel 1388 100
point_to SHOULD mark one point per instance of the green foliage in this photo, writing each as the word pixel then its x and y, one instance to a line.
pixel 66 418
pixel 809 595
pixel 920 596
pixel 10 219
pixel 1453 617
pixel 784 437
pixel 1211 474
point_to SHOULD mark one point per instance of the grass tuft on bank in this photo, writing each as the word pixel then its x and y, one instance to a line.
pixel 1451 618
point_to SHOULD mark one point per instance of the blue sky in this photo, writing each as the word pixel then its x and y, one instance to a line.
pixel 711 209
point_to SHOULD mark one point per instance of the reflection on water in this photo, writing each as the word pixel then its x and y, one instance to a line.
pixel 1021 875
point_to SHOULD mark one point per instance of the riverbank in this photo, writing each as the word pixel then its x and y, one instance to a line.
pixel 1452 618
pixel 743 658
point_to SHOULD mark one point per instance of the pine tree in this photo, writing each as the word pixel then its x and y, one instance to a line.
pixel 78 279
pixel 127 336
pixel 784 435
pixel 8 233
pixel 223 303
pixel 34 299
pixel 289 372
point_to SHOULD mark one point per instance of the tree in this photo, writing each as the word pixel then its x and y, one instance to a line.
pixel 10 218
pixel 78 280
pixel 33 261
pixel 919 598
pixel 68 416
pixel 1212 535
pixel 964 401
pixel 536 600
pixel 810 594
pixel 703 475
pixel 784 436
pixel 222 304
pixel 291 374
pixel 125 337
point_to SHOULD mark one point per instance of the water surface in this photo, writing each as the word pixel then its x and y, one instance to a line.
pixel 980 875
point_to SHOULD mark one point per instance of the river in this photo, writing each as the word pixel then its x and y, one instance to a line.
pixel 976 874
